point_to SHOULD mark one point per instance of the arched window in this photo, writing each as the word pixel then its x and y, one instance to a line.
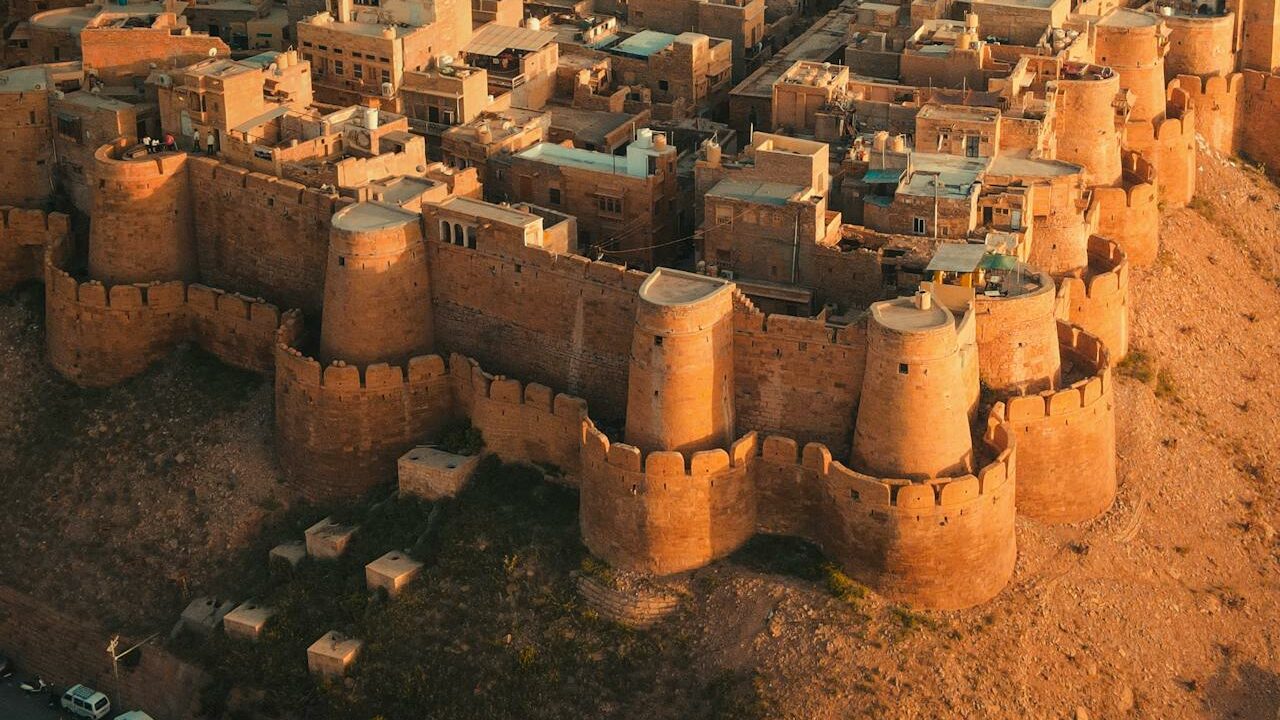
pixel 445 232
pixel 457 235
pixel 471 237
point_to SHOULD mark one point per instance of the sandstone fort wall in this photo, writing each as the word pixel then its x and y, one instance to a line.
pixel 1018 339
pixel 558 320
pixel 1261 119
pixel 1098 302
pixel 797 376
pixel 1200 45
pixel 261 235
pixel 340 429
pixel 99 335
pixel 26 148
pixel 1066 439
pixel 141 225
pixel 1217 101
pixel 1130 215
pixel 1085 127
pixel 1169 144
pixel 948 543
pixel 24 235
pixel 665 512
pixel 521 423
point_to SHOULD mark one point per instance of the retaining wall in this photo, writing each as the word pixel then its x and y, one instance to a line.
pixel 1066 439
pixel 1169 144
pixel 64 650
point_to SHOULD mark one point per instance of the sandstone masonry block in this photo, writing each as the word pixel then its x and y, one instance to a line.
pixel 392 572
pixel 333 654
pixel 327 539
pixel 433 474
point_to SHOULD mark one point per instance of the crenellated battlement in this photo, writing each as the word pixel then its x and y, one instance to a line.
pixel 1066 437
pixel 1130 214
pixel 1098 301
pixel 1217 100
pixel 24 235
pixel 101 334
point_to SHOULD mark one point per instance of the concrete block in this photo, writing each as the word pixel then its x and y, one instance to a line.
pixel 327 539
pixel 333 654
pixel 391 571
pixel 434 474
pixel 290 552
pixel 247 620
pixel 204 614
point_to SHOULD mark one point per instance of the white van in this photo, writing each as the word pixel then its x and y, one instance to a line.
pixel 86 702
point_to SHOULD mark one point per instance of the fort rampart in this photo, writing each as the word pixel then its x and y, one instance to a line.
pixel 1017 342
pixel 24 235
pixel 142 221
pixel 260 234
pixel 945 543
pixel 1098 301
pixel 26 151
pixel 339 429
pixel 1130 214
pixel 797 376
pixel 1217 102
pixel 99 335
pixel 1169 144
pixel 1066 438
pixel 1261 119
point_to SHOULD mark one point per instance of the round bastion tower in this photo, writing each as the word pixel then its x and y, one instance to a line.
pixel 680 384
pixel 377 295
pixel 913 419
pixel 1133 43
pixel 1085 124
pixel 141 229
pixel 1018 335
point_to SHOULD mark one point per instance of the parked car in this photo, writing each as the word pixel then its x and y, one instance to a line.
pixel 134 715
pixel 86 702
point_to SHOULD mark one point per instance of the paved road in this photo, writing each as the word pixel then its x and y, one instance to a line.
pixel 17 705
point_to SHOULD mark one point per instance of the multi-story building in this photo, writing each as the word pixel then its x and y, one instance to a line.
pixel 360 54
pixel 627 206
pixel 741 22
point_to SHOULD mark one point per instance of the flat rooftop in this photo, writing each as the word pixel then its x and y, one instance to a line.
pixel 959 112
pixel 766 193
pixel 946 176
pixel 1124 17
pixel 492 39
pixel 902 315
pixel 553 154
pixel 371 216
pixel 644 43
pixel 588 126
pixel 504 214
pixel 1034 4
pixel 23 79
pixel 84 98
pixel 1029 167
pixel 665 286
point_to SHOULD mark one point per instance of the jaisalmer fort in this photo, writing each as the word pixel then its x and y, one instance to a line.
pixel 858 282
